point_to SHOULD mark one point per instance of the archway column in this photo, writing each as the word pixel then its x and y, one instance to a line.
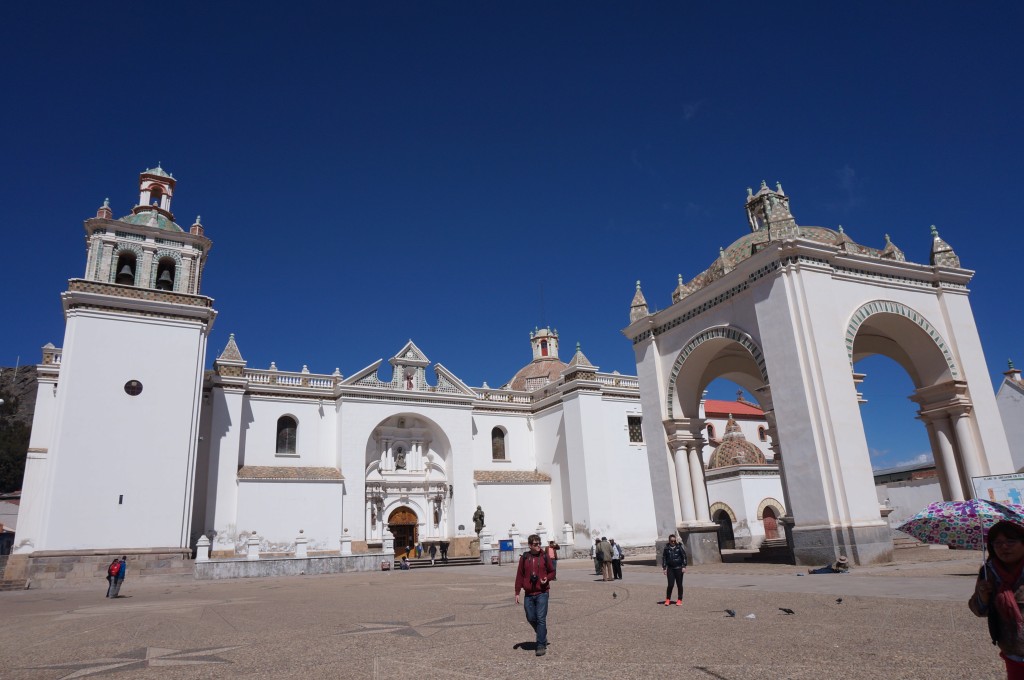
pixel 968 452
pixel 700 492
pixel 945 440
pixel 683 481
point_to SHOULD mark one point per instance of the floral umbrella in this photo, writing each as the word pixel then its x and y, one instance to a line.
pixel 962 525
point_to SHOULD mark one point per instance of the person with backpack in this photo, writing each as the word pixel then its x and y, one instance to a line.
pixel 552 553
pixel 119 575
pixel 673 562
pixel 112 569
pixel 534 577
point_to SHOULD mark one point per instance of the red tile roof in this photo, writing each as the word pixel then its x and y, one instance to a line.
pixel 739 409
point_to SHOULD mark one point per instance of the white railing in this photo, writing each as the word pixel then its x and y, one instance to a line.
pixel 618 380
pixel 504 396
pixel 288 379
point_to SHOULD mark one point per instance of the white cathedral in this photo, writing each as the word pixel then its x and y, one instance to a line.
pixel 137 448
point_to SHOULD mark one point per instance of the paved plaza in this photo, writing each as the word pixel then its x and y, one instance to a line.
pixel 907 620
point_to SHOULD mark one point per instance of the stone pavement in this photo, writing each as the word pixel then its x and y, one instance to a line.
pixel 907 620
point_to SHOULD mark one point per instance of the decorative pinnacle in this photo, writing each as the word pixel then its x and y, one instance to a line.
pixel 106 202
pixel 750 192
pixel 764 185
pixel 680 276
pixel 638 284
pixel 721 251
pixel 577 347
pixel 887 239
pixel 935 232
pixel 197 219
pixel 1009 363
pixel 778 187
pixel 841 229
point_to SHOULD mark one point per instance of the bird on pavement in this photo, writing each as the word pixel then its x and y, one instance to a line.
pixel 787 610
pixel 839 600
pixel 614 596
pixel 730 613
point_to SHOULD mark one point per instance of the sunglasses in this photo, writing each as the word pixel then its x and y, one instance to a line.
pixel 533 543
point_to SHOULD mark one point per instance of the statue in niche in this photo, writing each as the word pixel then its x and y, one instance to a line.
pixel 437 514
pixel 478 519
pixel 400 458
pixel 408 380
pixel 373 516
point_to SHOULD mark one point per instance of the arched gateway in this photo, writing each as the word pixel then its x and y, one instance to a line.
pixel 785 312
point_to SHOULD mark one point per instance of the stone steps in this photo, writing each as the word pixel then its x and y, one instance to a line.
pixel 16 584
pixel 424 563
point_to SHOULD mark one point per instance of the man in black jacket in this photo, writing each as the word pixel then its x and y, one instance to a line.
pixel 673 562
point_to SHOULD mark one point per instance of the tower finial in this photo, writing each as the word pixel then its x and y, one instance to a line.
pixel 935 232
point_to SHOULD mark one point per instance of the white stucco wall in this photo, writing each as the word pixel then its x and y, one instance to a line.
pixel 277 510
pixel 525 505
pixel 907 498
pixel 122 467
pixel 1010 401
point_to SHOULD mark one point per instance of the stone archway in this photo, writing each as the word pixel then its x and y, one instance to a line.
pixel 784 311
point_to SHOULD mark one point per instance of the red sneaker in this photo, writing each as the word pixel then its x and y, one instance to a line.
pixel 679 603
pixel 668 602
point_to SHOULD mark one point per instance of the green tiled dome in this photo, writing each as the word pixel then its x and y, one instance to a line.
pixel 151 218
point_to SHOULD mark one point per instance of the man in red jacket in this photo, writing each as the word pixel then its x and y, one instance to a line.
pixel 534 577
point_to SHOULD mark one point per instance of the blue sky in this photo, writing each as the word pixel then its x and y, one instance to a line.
pixel 459 173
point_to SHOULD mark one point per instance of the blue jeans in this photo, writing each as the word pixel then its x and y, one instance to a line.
pixel 536 607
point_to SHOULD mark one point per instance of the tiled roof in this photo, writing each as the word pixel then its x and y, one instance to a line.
pixel 511 477
pixel 275 472
pixel 739 409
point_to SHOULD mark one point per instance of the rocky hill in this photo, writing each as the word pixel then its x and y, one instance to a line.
pixel 19 385
pixel 18 390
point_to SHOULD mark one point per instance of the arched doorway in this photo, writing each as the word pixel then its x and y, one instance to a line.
pixel 726 538
pixel 403 525
pixel 771 524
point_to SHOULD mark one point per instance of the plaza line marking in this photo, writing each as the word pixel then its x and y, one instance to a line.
pixel 409 628
pixel 143 657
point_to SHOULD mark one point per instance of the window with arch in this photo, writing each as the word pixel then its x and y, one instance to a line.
pixel 166 271
pixel 711 431
pixel 124 273
pixel 154 196
pixel 498 444
pixel 762 433
pixel 287 431
pixel 543 348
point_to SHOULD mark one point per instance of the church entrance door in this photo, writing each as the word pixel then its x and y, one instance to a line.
pixel 404 526
pixel 771 524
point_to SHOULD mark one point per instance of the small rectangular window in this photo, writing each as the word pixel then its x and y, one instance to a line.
pixel 636 434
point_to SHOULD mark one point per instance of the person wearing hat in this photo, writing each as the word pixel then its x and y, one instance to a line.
pixel 841 566
pixel 604 551
pixel 999 594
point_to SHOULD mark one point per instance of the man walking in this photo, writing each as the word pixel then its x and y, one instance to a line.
pixel 534 577
pixel 444 552
pixel 604 550
pixel 673 562
pixel 616 559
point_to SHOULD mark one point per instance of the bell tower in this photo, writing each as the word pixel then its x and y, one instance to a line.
pixel 114 439
pixel 545 343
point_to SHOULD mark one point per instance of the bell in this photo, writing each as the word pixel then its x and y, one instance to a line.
pixel 126 276
pixel 165 282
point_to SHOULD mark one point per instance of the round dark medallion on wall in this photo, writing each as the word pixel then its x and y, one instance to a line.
pixel 133 388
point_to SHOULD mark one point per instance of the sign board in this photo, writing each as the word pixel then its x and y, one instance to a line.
pixel 1000 488
pixel 506 545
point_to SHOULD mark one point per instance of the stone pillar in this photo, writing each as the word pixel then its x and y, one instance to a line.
pixel 389 541
pixel 542 531
pixel 253 547
pixel 568 541
pixel 944 437
pixel 939 467
pixel 513 533
pixel 685 487
pixel 968 454
pixel 301 544
pixel 700 492
pixel 486 539
pixel 346 543
pixel 203 549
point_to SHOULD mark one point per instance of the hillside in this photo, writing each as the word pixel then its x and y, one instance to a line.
pixel 18 390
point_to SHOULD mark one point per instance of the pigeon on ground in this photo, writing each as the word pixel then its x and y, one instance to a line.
pixel 839 600
pixel 614 596
pixel 731 613
pixel 787 610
